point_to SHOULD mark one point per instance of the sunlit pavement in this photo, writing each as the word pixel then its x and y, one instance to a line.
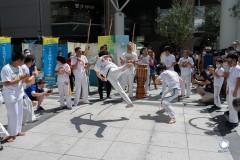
pixel 107 130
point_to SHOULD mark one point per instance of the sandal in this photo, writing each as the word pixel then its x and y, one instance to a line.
pixel 8 139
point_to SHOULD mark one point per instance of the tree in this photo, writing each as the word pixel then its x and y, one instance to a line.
pixel 235 10
pixel 177 27
pixel 211 25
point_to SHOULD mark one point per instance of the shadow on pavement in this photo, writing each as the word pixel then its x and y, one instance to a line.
pixel 78 121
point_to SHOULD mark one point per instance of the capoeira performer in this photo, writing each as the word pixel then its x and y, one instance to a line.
pixel 111 72
pixel 172 80
pixel 79 63
pixel 12 80
pixel 128 76
pixel 4 135
pixel 63 71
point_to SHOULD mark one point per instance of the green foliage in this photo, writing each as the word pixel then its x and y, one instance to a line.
pixel 211 25
pixel 235 10
pixel 177 27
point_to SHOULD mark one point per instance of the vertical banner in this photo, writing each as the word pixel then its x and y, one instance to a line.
pixel 50 52
pixel 121 42
pixel 5 51
pixel 109 41
pixel 64 49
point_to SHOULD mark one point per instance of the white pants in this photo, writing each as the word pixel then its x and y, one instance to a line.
pixel 14 107
pixel 146 85
pixel 217 100
pixel 28 110
pixel 186 85
pixel 127 79
pixel 3 132
pixel 233 114
pixel 167 99
pixel 164 87
pixel 64 91
pixel 81 83
pixel 113 76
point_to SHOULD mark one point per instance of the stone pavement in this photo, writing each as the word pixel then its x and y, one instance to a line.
pixel 107 130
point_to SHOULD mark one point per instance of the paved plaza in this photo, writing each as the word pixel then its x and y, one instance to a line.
pixel 106 130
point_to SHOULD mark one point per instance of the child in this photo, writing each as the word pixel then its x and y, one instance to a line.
pixel 218 82
pixel 172 80
pixel 63 71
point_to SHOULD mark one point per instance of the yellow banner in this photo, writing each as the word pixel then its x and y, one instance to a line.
pixel 50 40
pixel 5 39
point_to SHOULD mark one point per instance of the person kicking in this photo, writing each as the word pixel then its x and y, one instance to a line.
pixel 172 79
pixel 107 70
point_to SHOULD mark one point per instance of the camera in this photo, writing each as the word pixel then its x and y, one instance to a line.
pixel 49 91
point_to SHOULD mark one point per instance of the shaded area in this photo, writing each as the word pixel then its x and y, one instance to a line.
pixel 78 121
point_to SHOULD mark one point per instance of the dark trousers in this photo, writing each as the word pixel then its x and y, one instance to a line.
pixel 100 88
pixel 71 79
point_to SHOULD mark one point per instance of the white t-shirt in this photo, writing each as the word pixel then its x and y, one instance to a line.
pixel 8 73
pixel 63 77
pixel 145 60
pixel 219 81
pixel 80 71
pixel 130 56
pixel 234 74
pixel 171 78
pixel 168 61
pixel 102 66
pixel 186 70
pixel 25 70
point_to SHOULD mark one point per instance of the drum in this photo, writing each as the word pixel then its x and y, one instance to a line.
pixel 141 76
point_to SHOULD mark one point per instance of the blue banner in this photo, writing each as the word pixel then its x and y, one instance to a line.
pixel 50 52
pixel 5 53
pixel 63 49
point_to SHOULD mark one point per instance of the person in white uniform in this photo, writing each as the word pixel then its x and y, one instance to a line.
pixel 233 89
pixel 79 63
pixel 12 79
pixel 218 82
pixel 4 135
pixel 186 64
pixel 169 61
pixel 63 71
pixel 172 80
pixel 28 110
pixel 107 70
pixel 128 76
pixel 144 58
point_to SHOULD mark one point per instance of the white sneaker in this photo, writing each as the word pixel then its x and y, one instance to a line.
pixel 86 102
pixel 129 105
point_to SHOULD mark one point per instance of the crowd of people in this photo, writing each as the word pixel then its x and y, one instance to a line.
pixel 215 74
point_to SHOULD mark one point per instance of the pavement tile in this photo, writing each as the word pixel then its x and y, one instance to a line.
pixel 202 155
pixel 178 127
pixel 203 143
pixel 48 127
pixel 165 153
pixel 56 144
pixel 67 157
pixel 103 132
pixel 140 124
pixel 11 153
pixel 111 121
pixel 120 113
pixel 134 136
pixel 36 155
pixel 166 139
pixel 205 129
pixel 28 141
pixel 90 148
pixel 126 151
